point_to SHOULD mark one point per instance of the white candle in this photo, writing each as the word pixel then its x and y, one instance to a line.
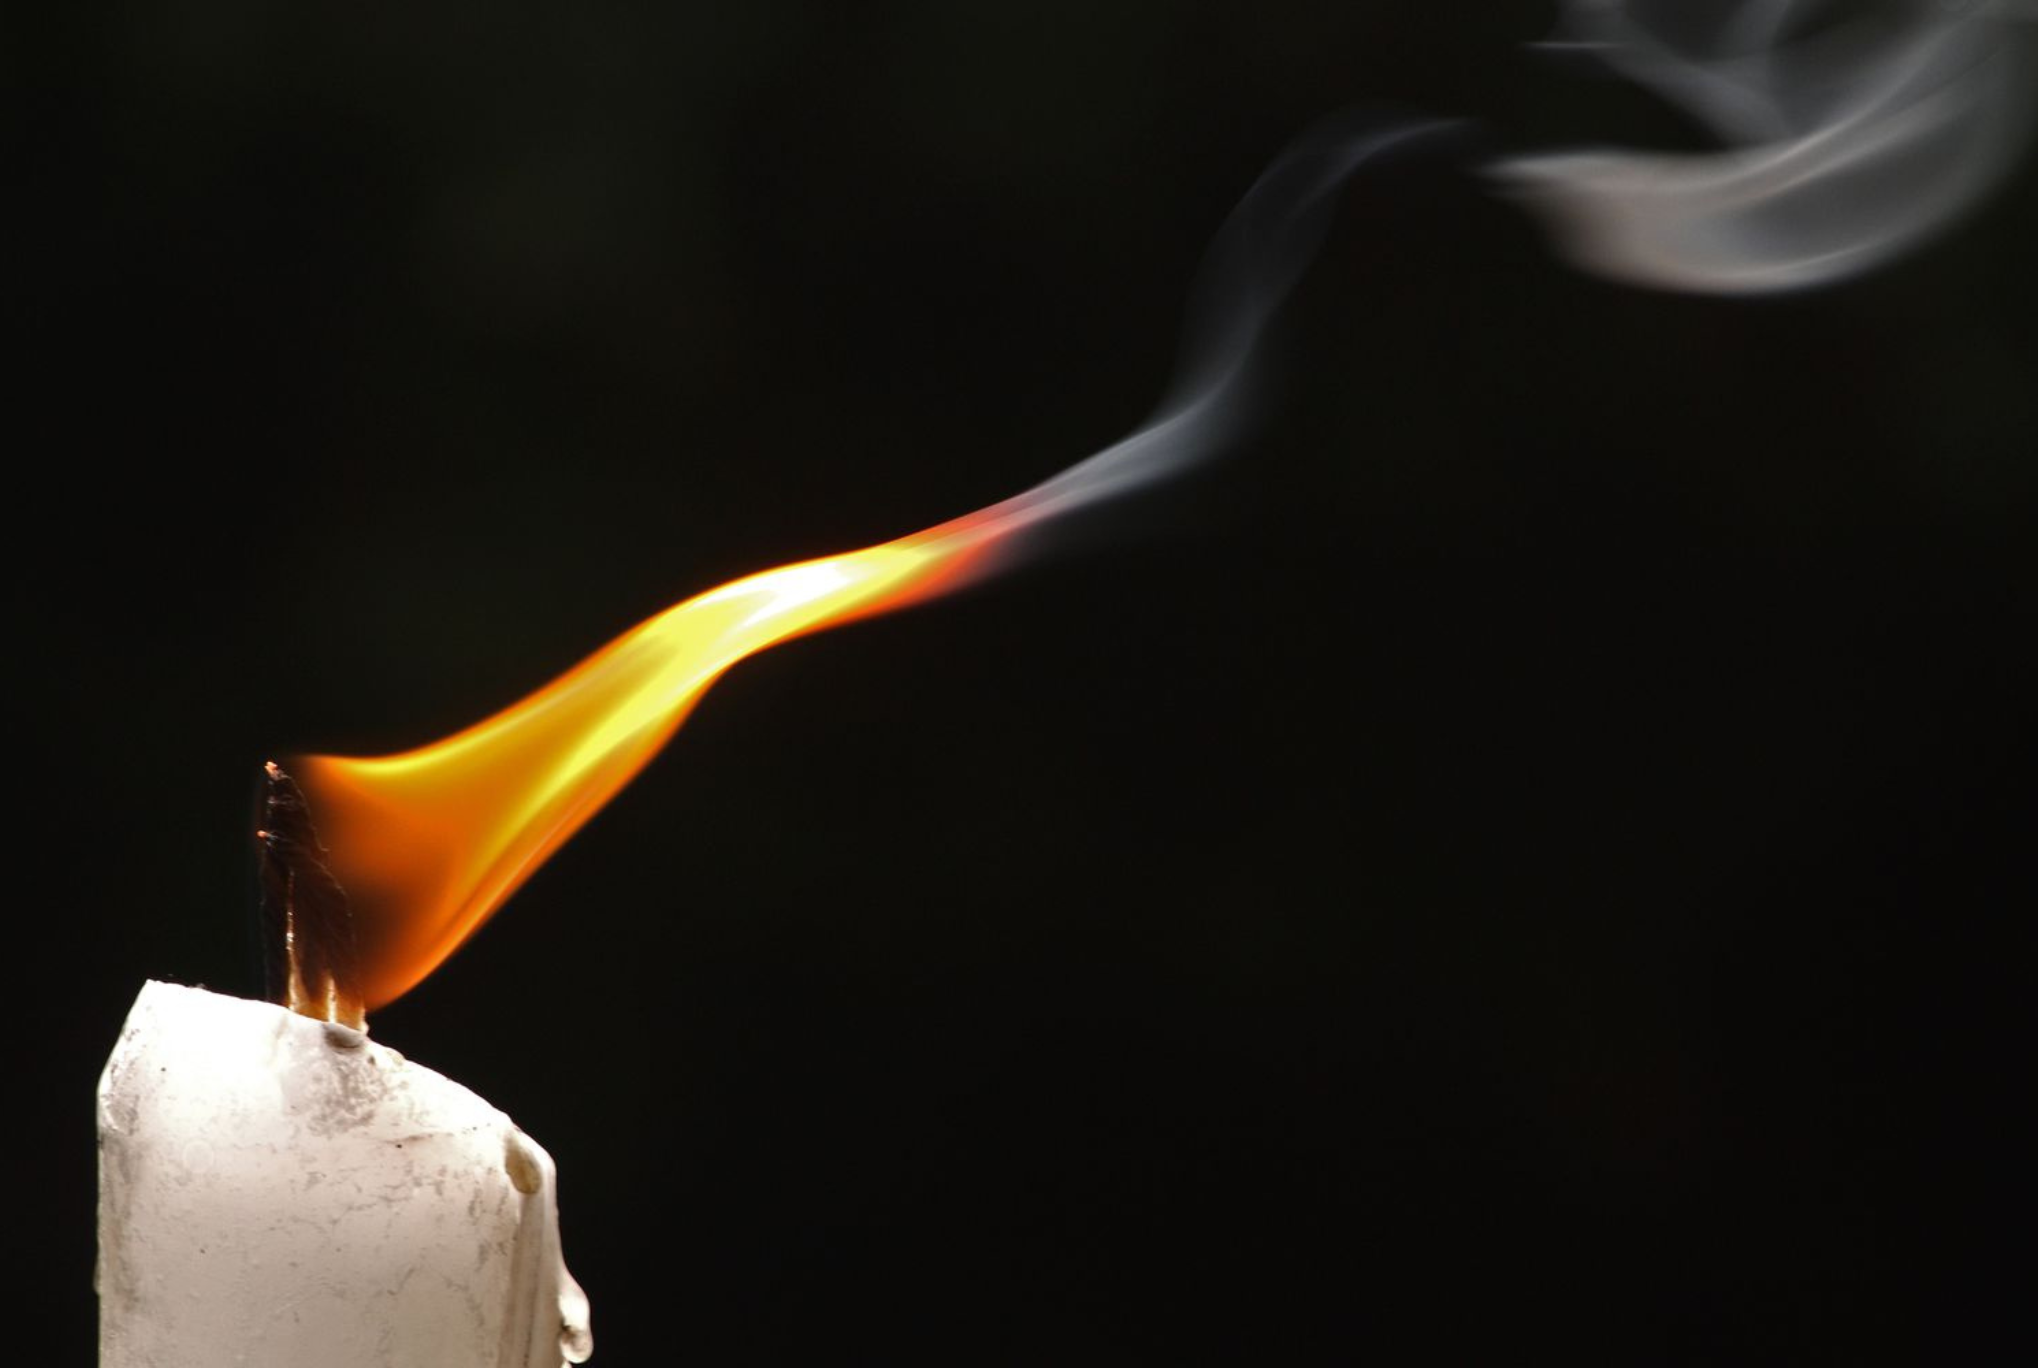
pixel 280 1192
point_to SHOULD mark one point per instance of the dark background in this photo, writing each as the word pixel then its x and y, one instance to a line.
pixel 1515 858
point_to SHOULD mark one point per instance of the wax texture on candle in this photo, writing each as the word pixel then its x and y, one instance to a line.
pixel 281 1191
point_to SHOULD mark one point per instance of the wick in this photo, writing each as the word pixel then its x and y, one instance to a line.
pixel 308 928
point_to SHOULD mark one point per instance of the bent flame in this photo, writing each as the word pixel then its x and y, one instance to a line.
pixel 429 843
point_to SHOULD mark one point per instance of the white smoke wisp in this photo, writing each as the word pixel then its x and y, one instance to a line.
pixel 1253 264
pixel 1851 138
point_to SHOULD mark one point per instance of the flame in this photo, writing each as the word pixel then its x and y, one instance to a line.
pixel 429 843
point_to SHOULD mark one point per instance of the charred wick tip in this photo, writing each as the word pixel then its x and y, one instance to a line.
pixel 309 953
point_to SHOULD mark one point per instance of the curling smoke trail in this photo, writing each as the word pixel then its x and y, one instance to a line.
pixel 429 843
pixel 1259 254
pixel 1854 133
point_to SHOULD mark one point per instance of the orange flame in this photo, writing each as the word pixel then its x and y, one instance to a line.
pixel 429 843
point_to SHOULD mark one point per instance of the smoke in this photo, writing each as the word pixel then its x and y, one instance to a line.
pixel 1853 133
pixel 1254 262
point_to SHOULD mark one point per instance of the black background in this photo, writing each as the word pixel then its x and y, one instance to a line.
pixel 1516 857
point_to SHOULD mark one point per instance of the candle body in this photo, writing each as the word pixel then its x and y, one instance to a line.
pixel 281 1191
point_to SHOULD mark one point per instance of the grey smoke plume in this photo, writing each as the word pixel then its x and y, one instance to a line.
pixel 1258 256
pixel 1854 130
pixel 1853 133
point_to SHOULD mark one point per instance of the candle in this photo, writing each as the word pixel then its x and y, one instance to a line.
pixel 281 1191
pixel 276 1189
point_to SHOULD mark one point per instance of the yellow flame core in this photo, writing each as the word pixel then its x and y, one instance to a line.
pixel 430 842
